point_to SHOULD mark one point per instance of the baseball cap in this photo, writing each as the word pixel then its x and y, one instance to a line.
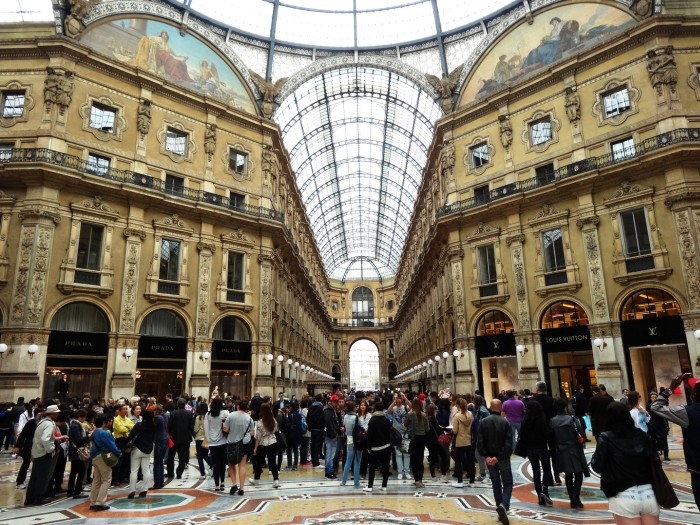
pixel 335 398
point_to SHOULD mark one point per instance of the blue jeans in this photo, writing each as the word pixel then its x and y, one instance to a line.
pixel 354 458
pixel 401 466
pixel 502 482
pixel 159 455
pixel 331 448
pixel 513 428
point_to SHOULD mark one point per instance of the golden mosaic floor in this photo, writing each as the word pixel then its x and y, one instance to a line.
pixel 307 498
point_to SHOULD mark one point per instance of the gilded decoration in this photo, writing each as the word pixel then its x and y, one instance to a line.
pixel 79 9
pixel 619 117
pixel 95 207
pixel 26 90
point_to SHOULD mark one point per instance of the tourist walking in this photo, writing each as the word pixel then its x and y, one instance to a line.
pixel 437 454
pixel 214 431
pixel 142 437
pixel 534 437
pixel 77 438
pixel 266 446
pixel 417 427
pixel 160 447
pixel 238 428
pixel 199 438
pixel 354 454
pixel 462 442
pixel 103 447
pixel 571 460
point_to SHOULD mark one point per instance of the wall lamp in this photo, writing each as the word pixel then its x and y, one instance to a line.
pixel 127 354
pixel 600 343
pixel 4 349
pixel 521 349
pixel 289 362
pixel 457 354
pixel 696 333
pixel 280 358
pixel 268 358
pixel 32 349
pixel 204 356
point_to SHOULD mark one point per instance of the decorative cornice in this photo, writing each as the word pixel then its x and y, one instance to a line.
pixel 583 221
pixel 205 246
pixel 40 213
pixel 133 232
pixel 686 195
pixel 518 237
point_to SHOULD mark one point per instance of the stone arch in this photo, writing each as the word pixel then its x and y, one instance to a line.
pixel 187 321
pixel 474 322
pixel 621 297
pixel 539 311
pixel 100 305
pixel 239 315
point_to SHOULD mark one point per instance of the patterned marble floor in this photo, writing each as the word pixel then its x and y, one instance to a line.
pixel 306 497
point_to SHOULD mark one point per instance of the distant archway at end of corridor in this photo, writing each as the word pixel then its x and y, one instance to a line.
pixel 364 366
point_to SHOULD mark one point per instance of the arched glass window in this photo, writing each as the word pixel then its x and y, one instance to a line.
pixel 362 307
pixel 163 323
pixel 650 302
pixel 80 317
pixel 392 371
pixel 231 329
pixel 494 322
pixel 562 314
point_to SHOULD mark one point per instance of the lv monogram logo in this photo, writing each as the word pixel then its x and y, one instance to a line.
pixel 653 330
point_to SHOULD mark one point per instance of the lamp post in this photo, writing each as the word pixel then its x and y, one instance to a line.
pixel 280 360
pixel 445 355
pixel 437 371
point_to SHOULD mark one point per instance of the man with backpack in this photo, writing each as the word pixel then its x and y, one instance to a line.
pixel 314 422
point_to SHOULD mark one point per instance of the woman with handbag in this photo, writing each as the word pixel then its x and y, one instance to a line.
pixel 142 438
pixel 397 411
pixel 105 454
pixel 200 440
pixel 622 458
pixel 417 427
pixel 534 438
pixel 214 432
pixel 354 454
pixel 569 446
pixel 437 453
pixel 78 438
pixel 265 445
pixel 462 430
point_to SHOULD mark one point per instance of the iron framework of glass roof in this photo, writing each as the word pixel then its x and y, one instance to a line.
pixel 358 140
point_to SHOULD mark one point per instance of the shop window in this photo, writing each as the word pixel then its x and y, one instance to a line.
pixel 554 260
pixel 176 141
pixel 616 101
pixel 88 261
pixel 649 303
pixel 236 200
pixel 540 131
pixel 494 322
pixel 174 185
pixel 13 104
pixel 98 164
pixel 636 240
pixel 623 149
pixel 563 314
pixel 237 161
pixel 235 274
pixel 486 262
pixel 102 118
pixel 169 272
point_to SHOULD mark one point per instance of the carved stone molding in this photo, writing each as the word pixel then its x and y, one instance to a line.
pixel 206 247
pixel 596 278
pixel 127 316
pixel 39 212
pixel 548 214
pixel 26 89
pixel 521 295
pixel 515 238
pixel 202 318
pixel 120 123
pixel 134 232
pixel 526 134
pixel 249 162
pixel 688 196
pixel 688 228
pixel 599 107
pixel 592 221
pixel 191 144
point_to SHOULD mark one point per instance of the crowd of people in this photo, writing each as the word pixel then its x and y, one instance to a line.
pixel 356 435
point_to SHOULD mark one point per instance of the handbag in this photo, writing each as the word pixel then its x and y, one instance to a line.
pixel 663 490
pixel 205 443
pixel 84 453
pixel 109 458
pixel 281 441
pixel 359 435
pixel 520 448
pixel 394 437
pixel 171 443
pixel 444 440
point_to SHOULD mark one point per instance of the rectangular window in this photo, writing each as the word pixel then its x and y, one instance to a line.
pixel 98 164
pixel 486 261
pixel 236 200
pixel 554 260
pixel 544 174
pixel 623 149
pixel 12 103
pixel 174 185
pixel 6 150
pixel 169 264
pixel 235 273
pixel 540 131
pixel 481 194
pixel 635 233
pixel 391 348
pixel 616 102
pixel 89 246
pixel 479 155
pixel 176 141
pixel 390 304
pixel 336 352
pixel 237 161
pixel 102 118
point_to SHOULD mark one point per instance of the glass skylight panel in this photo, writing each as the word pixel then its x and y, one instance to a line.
pixel 26 11
pixel 458 13
pixel 256 18
pixel 315 28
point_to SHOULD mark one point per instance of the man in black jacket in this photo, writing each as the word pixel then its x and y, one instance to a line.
pixel 181 424
pixel 494 443
pixel 332 428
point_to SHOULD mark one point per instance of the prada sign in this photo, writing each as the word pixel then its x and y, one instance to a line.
pixel 78 343
pixel 152 347
pixel 653 331
pixel 495 345
pixel 231 350
pixel 565 339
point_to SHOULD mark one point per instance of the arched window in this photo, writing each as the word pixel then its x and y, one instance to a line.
pixel 80 317
pixel 650 302
pixel 392 371
pixel 362 307
pixel 562 314
pixel 163 323
pixel 494 322
pixel 231 328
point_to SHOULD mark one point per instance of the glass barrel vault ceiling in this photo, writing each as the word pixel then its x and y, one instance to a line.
pixel 358 139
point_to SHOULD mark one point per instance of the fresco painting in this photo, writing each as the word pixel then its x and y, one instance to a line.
pixel 160 49
pixel 554 35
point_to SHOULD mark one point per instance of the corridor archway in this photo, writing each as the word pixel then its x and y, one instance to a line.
pixel 364 366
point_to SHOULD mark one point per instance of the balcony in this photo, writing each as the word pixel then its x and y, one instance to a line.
pixel 554 278
pixel 87 277
pixel 169 287
pixel 639 264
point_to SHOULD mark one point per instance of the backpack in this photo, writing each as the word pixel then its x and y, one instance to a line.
pixel 359 435
pixel 314 417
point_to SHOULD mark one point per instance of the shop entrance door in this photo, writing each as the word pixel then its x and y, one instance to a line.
pixel 567 370
pixel 656 365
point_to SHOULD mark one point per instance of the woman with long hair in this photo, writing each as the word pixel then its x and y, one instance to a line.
pixel 534 434
pixel 265 445
pixel 143 436
pixel 462 429
pixel 437 454
pixel 213 429
pixel 398 412
pixel 378 445
pixel 570 457
pixel 622 457
pixel 417 427
pixel 365 414
pixel 354 455
pixel 202 453
pixel 639 413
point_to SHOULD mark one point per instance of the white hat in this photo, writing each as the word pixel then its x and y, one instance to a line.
pixel 52 409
